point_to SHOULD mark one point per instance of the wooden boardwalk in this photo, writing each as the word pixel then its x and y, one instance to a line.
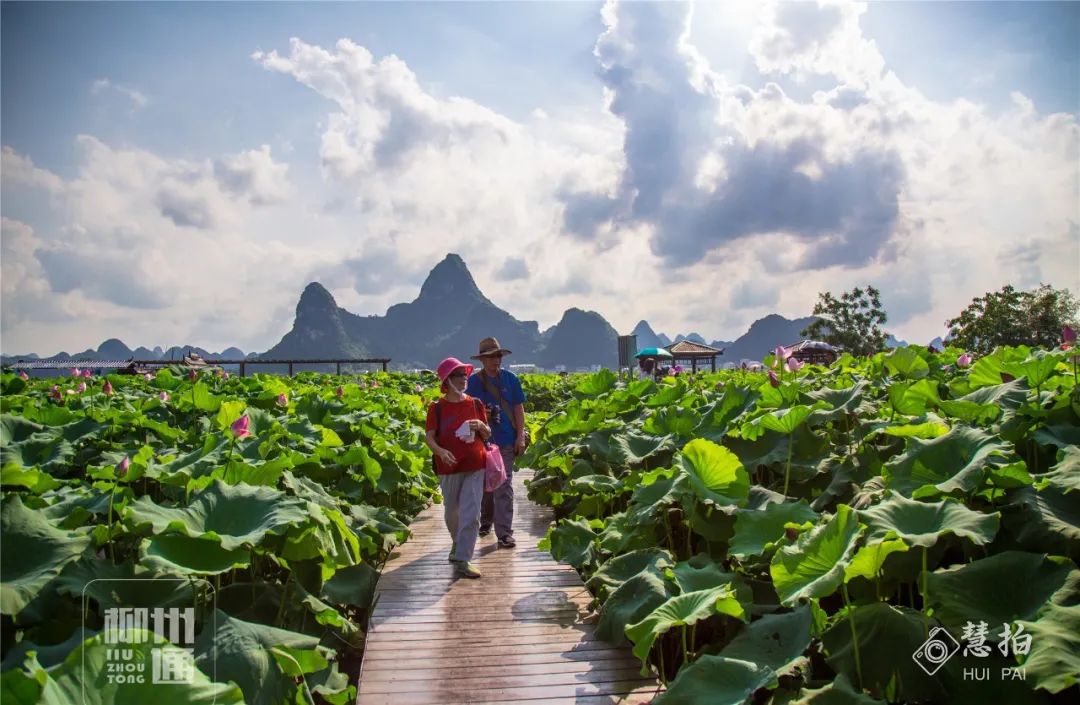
pixel 514 636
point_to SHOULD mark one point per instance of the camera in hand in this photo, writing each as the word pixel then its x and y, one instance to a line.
pixel 494 414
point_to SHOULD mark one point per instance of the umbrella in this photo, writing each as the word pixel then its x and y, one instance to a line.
pixel 653 352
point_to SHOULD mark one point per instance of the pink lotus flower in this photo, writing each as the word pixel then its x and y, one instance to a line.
pixel 81 388
pixel 55 394
pixel 87 374
pixel 419 388
pixel 164 396
pixel 23 376
pixel 240 427
pixel 964 360
pixel 340 391
pixel 794 365
pixel 107 389
pixel 75 372
pixel 192 375
pixel 374 383
pixel 282 400
pixel 122 467
pixel 773 379
pixel 148 377
pixel 781 353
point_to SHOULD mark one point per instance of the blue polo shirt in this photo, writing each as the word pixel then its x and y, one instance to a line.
pixel 510 387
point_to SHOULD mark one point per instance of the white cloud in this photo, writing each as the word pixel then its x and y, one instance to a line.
pixel 103 85
pixel 19 170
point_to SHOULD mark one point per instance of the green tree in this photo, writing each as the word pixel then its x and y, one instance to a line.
pixel 852 322
pixel 1011 317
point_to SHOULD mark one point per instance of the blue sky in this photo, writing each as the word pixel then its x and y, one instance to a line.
pixel 900 117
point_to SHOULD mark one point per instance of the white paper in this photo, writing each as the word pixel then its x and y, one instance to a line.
pixel 465 433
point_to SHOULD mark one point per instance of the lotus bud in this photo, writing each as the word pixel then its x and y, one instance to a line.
pixel 75 372
pixel 107 389
pixel 148 377
pixel 240 427
pixel 964 360
pixel 794 365
pixel 282 400
pixel 81 388
pixel 23 376
pixel 164 396
pixel 340 391
pixel 419 388
pixel 374 383
pixel 87 374
pixel 122 467
pixel 773 379
pixel 192 375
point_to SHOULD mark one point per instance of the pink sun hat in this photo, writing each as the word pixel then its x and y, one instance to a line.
pixel 449 365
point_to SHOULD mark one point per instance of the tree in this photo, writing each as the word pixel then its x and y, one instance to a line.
pixel 1011 317
pixel 851 322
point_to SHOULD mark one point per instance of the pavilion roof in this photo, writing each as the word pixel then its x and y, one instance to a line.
pixel 686 347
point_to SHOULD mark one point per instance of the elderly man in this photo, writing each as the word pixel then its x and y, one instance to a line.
pixel 500 391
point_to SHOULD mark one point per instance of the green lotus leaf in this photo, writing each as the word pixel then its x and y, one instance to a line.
pixel 35 480
pixel 1048 519
pixel 869 560
pixel 682 610
pixel 1053 664
pixel 841 402
pixel 925 426
pixel 703 572
pixel 32 553
pixel 957 461
pixel 675 420
pixel 623 533
pixel 913 398
pixel 907 363
pixel 243 652
pixel 716 680
pixel 658 490
pixel 597 383
pixel 839 692
pixel 775 640
pixel 353 585
pixel 1007 397
pixel 236 515
pixel 572 542
pixel 668 394
pixel 629 603
pixel 83 678
pixel 970 412
pixel 785 420
pixel 1001 588
pixel 617 570
pixel 1038 368
pixel 124 585
pixel 923 523
pixel 888 636
pixel 176 553
pixel 596 484
pixel 756 531
pixel 620 447
pixel 1066 473
pixel 715 473
pixel 814 566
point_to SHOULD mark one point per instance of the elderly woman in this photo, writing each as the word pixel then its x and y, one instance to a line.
pixel 456 430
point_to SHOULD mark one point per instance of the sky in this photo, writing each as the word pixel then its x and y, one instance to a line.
pixel 176 173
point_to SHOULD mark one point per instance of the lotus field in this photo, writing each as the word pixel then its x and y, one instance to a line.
pixel 265 505
pixel 901 528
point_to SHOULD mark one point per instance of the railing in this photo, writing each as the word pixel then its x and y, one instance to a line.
pixel 243 363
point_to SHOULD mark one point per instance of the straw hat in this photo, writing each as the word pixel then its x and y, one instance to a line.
pixel 489 346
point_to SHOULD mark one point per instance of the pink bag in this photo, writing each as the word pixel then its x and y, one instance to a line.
pixel 494 470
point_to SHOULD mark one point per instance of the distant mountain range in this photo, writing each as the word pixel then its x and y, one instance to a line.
pixel 449 317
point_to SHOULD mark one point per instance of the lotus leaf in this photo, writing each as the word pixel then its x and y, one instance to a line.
pixel 775 640
pixel 957 461
pixel 839 692
pixel 715 473
pixel 923 523
pixel 1054 661
pixel 682 610
pixel 617 570
pixel 757 530
pixel 32 553
pixel 176 553
pixel 629 603
pixel 235 515
pixel 815 565
pixel 716 680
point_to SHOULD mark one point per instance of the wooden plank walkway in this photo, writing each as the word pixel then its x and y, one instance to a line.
pixel 513 636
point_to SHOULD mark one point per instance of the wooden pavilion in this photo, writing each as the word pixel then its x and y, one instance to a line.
pixel 685 351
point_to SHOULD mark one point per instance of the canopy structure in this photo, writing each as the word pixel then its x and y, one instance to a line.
pixel 652 352
pixel 814 351
pixel 685 351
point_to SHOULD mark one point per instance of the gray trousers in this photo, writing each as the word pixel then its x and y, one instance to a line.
pixel 498 506
pixel 461 493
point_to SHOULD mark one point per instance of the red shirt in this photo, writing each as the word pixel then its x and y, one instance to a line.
pixel 470 456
